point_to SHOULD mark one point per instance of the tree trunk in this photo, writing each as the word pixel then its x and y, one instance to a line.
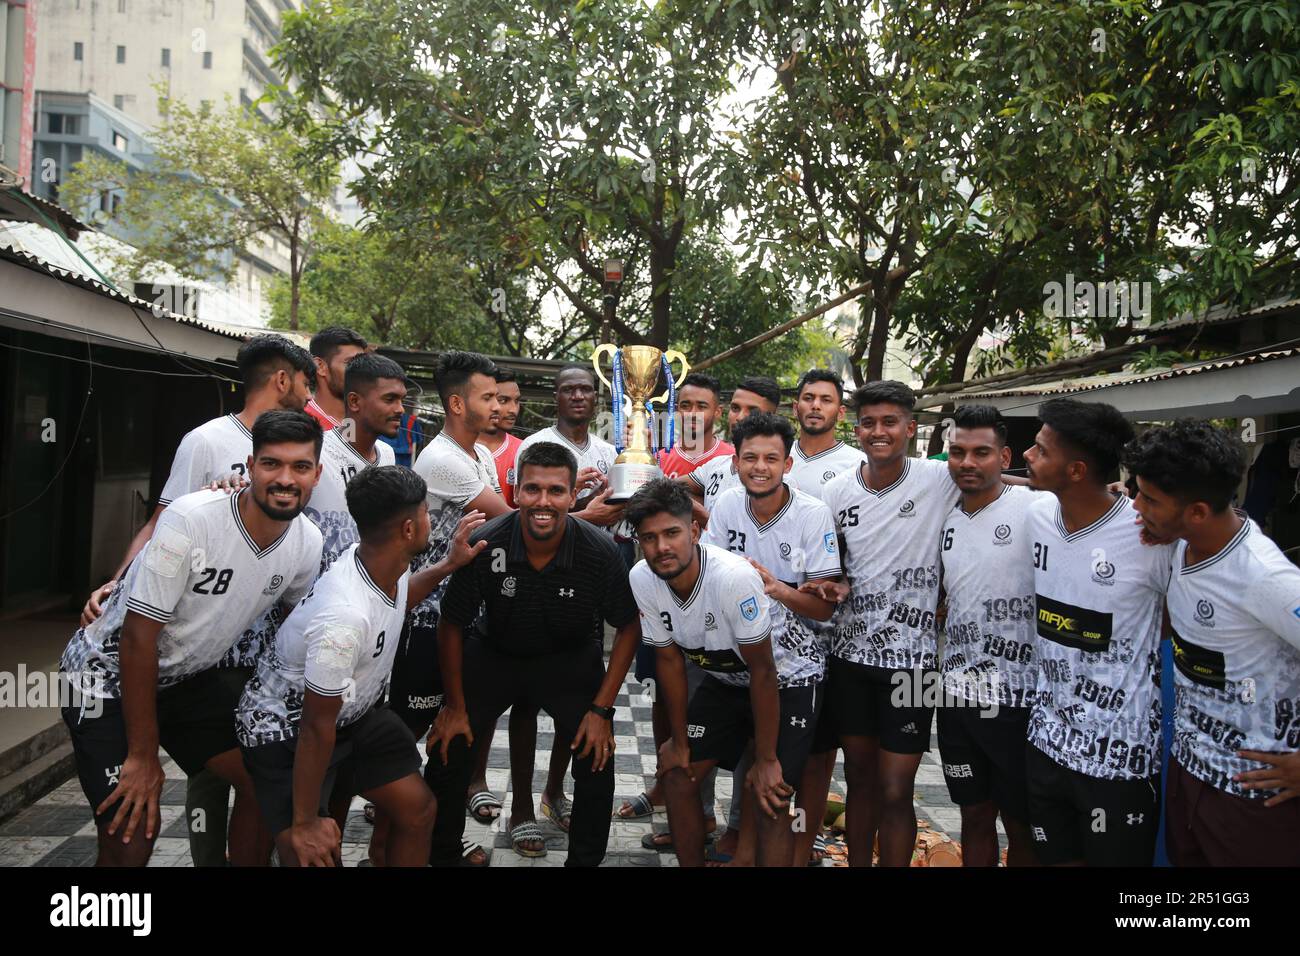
pixel 662 261
pixel 883 312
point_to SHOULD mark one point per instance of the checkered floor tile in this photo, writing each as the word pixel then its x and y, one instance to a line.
pixel 58 831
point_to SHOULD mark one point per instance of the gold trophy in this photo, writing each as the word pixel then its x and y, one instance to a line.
pixel 635 371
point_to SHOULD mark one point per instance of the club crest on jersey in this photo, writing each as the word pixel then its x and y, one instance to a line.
pixel 1204 613
pixel 508 587
pixel 1002 534
pixel 603 466
pixel 749 608
pixel 276 581
pixel 510 477
pixel 785 549
pixel 710 622
pixel 827 476
pixel 1103 572
pixel 908 509
pixel 828 540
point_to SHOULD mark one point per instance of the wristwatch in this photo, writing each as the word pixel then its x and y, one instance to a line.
pixel 606 712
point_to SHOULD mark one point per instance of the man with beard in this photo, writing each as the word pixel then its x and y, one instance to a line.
pixel 331 349
pixel 276 374
pixel 1234 607
pixel 146 668
pixel 699 401
pixel 458 474
pixel 375 386
pixel 544 583
pixel 701 601
pixel 498 437
pixel 818 457
pixel 1093 760
pixel 313 713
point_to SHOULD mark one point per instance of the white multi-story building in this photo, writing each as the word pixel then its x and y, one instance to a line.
pixel 91 54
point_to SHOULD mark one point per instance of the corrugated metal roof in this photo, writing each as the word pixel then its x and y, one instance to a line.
pixel 87 282
pixel 1114 379
pixel 1220 314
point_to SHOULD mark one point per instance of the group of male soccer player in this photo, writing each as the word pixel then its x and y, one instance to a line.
pixel 300 611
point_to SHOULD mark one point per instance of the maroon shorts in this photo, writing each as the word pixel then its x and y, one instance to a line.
pixel 1206 826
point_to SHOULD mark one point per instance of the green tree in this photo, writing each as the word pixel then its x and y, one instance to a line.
pixel 218 185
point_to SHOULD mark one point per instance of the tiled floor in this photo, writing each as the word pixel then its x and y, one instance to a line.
pixel 58 831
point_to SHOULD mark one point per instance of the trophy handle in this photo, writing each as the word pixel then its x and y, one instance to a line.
pixel 595 362
pixel 686 367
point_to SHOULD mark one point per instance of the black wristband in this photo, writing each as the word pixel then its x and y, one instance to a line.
pixel 606 712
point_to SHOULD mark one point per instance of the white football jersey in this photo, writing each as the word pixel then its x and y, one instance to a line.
pixel 798 544
pixel 212 451
pixel 889 543
pixel 988 575
pixel 726 608
pixel 811 473
pixel 1236 622
pixel 1099 593
pixel 205 579
pixel 328 506
pixel 339 641
pixel 454 478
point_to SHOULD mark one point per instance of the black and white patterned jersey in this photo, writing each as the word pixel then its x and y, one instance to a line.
pixel 1099 594
pixel 725 609
pixel 988 575
pixel 204 577
pixel 810 473
pixel 212 451
pixel 339 641
pixel 798 544
pixel 1236 623
pixel 453 479
pixel 328 507
pixel 889 543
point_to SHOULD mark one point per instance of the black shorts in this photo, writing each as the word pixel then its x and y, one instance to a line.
pixel 720 724
pixel 372 751
pixel 1207 826
pixel 1076 818
pixel 983 754
pixel 415 688
pixel 196 722
pixel 862 701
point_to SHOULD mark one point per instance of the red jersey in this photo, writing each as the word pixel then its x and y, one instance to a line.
pixel 675 463
pixel 504 459
pixel 327 421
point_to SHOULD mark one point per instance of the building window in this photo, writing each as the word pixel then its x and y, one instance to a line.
pixel 166 57
pixel 118 101
pixel 77 51
pixel 121 6
pixel 207 60
pixel 121 54
pixel 56 122
pixel 119 142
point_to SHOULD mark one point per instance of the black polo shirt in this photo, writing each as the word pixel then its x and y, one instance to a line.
pixel 528 613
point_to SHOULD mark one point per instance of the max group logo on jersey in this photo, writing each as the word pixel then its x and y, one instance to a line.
pixel 1002 535
pixel 908 509
pixel 1204 614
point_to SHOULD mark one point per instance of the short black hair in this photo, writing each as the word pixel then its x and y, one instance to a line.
pixel 888 392
pixel 763 423
pixel 981 416
pixel 702 380
pixel 575 366
pixel 655 497
pixel 764 386
pixel 1191 460
pixel 1096 431
pixel 383 494
pixel 548 454
pixel 454 370
pixel 503 375
pixel 366 368
pixel 282 425
pixel 263 355
pixel 329 340
pixel 820 375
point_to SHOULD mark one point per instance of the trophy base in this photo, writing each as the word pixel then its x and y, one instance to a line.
pixel 626 479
